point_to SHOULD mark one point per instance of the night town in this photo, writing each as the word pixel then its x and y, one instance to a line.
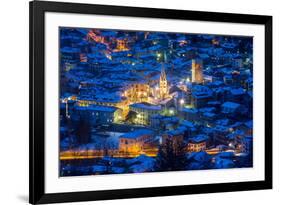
pixel 143 101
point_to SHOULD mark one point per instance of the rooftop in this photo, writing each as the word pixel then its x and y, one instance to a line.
pixel 146 106
pixel 137 133
pixel 199 138
pixel 231 105
pixel 97 108
pixel 179 131
pixel 238 91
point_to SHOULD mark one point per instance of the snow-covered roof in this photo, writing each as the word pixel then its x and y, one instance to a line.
pixel 209 114
pixel 249 124
pixel 199 138
pixel 99 108
pixel 238 91
pixel 146 106
pixel 70 50
pixel 178 131
pixel 137 133
pixel 231 105
pixel 189 110
pixel 187 123
pixel 200 91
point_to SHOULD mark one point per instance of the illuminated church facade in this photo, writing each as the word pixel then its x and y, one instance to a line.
pixel 144 92
pixel 163 84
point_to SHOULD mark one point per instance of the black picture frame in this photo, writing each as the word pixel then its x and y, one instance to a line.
pixel 37 194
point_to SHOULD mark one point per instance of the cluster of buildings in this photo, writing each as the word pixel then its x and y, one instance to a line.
pixel 193 89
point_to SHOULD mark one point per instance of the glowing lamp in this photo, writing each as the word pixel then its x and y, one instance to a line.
pixel 171 112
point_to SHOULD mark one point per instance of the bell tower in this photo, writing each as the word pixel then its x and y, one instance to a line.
pixel 163 84
pixel 197 75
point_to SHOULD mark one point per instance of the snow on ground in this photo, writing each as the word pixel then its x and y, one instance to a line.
pixel 141 164
pixel 224 160
pixel 109 140
pixel 221 163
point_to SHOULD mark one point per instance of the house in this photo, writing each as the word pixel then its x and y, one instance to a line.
pixel 190 128
pixel 220 133
pixel 232 109
pixel 144 111
pixel 236 95
pixel 98 114
pixel 161 122
pixel 134 142
pixel 176 137
pixel 189 114
pixel 197 143
pixel 200 96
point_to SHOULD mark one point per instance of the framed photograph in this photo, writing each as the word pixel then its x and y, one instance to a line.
pixel 140 102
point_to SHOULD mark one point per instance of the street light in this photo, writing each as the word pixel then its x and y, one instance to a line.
pixel 231 145
pixel 181 101
pixel 171 112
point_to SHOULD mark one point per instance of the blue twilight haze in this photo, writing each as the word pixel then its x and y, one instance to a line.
pixel 139 101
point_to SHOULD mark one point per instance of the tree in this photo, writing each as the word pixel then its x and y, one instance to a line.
pixel 245 160
pixel 107 147
pixel 171 156
pixel 83 131
pixel 199 160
